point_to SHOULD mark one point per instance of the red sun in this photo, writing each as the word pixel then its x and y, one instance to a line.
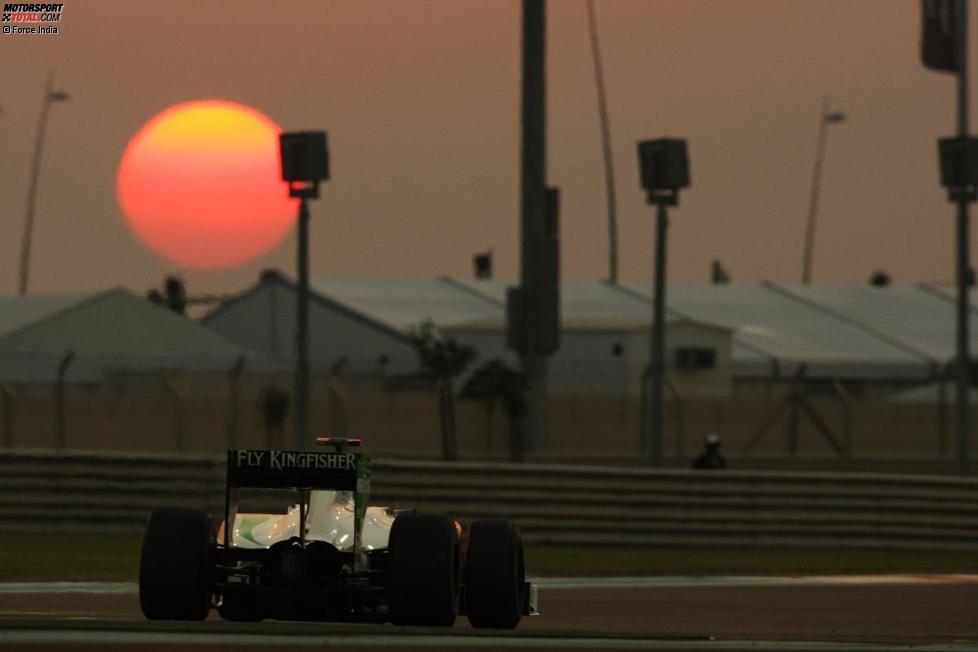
pixel 200 184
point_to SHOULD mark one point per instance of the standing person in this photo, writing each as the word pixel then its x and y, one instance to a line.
pixel 711 457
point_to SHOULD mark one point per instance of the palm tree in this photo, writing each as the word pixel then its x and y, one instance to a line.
pixel 496 382
pixel 442 359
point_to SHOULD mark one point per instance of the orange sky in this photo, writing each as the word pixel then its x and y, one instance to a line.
pixel 421 102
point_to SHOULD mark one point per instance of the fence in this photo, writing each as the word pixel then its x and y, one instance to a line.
pixel 550 503
pixel 205 414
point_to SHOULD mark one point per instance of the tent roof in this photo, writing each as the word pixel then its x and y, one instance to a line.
pixel 16 312
pixel 402 303
pixel 908 316
pixel 111 329
pixel 791 332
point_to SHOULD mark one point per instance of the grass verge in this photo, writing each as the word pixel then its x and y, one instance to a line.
pixel 87 555
pixel 69 554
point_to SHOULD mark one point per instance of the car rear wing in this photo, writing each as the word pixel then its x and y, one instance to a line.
pixel 273 469
pixel 339 470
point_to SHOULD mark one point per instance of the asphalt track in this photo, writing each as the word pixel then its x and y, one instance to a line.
pixel 867 613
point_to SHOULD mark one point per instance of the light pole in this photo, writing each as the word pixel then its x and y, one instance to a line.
pixel 944 47
pixel 305 162
pixel 533 307
pixel 609 168
pixel 664 168
pixel 826 118
pixel 50 96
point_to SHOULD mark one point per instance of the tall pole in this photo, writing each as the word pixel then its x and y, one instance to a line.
pixel 806 274
pixel 302 438
pixel 963 362
pixel 656 417
pixel 532 210
pixel 25 250
pixel 609 170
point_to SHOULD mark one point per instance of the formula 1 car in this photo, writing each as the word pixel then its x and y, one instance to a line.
pixel 328 556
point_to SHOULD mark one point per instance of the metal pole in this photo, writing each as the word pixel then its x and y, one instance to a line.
pixel 654 443
pixel 234 382
pixel 806 273
pixel 25 250
pixel 609 170
pixel 963 362
pixel 533 183
pixel 60 398
pixel 302 439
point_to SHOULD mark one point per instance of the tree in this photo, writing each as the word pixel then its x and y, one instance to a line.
pixel 442 359
pixel 496 382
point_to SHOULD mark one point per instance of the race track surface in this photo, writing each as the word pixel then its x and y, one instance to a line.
pixel 931 613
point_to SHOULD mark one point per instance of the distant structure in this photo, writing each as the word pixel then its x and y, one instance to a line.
pixel 879 279
pixel 718 275
pixel 720 338
pixel 483 265
pixel 175 294
pixel 367 322
pixel 110 333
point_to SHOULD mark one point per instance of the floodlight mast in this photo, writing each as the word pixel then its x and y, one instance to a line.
pixel 664 168
pixel 944 47
pixel 305 162
pixel 963 254
pixel 50 96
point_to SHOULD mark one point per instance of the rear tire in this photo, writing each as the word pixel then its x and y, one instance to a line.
pixel 174 580
pixel 494 574
pixel 423 570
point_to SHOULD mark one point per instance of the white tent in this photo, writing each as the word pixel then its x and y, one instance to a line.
pixel 367 321
pixel 102 332
pixel 790 332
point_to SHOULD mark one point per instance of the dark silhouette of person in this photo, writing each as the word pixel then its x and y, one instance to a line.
pixel 711 457
pixel 274 405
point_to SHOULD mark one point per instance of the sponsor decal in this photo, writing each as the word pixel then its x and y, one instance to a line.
pixel 259 460
pixel 31 18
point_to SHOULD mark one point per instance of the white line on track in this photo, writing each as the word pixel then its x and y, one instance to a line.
pixel 450 641
pixel 787 580
pixel 68 587
pixel 580 582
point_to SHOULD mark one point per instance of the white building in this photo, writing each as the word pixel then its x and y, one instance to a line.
pixel 364 324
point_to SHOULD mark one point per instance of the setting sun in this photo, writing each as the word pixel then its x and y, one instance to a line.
pixel 199 184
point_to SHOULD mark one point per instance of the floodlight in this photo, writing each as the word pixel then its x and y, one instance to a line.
pixel 664 167
pixel 959 166
pixel 305 161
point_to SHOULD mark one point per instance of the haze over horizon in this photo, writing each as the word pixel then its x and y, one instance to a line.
pixel 421 102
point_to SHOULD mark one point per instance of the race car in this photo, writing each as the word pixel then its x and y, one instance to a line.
pixel 327 555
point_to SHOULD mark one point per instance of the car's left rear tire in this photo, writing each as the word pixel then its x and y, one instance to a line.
pixel 174 578
pixel 424 570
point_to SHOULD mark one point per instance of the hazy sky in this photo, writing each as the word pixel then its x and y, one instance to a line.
pixel 421 101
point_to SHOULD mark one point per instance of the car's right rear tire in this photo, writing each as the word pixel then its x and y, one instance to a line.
pixel 423 570
pixel 494 574
pixel 174 579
